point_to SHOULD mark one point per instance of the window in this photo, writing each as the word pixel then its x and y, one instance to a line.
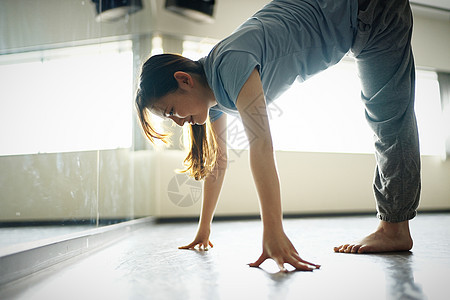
pixel 430 118
pixel 325 114
pixel 196 50
pixel 69 99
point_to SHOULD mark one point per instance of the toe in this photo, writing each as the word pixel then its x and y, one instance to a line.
pixel 349 248
pixel 362 249
pixel 338 248
pixel 343 248
pixel 355 248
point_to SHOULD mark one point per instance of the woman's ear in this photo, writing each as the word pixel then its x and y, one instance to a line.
pixel 184 79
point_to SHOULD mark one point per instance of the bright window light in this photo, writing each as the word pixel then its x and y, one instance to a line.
pixel 71 99
pixel 196 50
pixel 429 114
pixel 325 114
pixel 157 47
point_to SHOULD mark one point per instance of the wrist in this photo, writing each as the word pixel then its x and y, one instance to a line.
pixel 272 217
pixel 204 225
pixel 272 225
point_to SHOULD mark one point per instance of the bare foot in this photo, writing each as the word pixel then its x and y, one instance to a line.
pixel 388 237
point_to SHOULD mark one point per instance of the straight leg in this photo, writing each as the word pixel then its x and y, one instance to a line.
pixel 388 95
pixel 386 69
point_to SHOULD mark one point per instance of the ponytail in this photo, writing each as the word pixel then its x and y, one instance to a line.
pixel 202 155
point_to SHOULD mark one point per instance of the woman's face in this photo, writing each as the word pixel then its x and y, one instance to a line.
pixel 182 107
pixel 189 103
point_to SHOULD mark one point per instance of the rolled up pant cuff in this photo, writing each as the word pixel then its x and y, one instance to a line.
pixel 396 218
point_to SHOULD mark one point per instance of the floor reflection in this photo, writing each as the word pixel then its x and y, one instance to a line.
pixel 399 270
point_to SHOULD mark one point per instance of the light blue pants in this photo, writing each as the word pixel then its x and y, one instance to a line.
pixel 382 50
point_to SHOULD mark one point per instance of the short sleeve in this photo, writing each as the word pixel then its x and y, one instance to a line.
pixel 234 70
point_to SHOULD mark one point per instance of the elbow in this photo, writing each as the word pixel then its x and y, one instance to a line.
pixel 219 168
pixel 261 147
pixel 222 163
pixel 262 152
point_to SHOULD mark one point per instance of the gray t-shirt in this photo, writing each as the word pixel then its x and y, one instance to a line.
pixel 286 40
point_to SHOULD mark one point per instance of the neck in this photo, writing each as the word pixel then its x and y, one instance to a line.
pixel 210 96
pixel 206 91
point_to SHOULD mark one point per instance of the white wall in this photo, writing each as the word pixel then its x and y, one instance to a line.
pixel 431 42
pixel 310 183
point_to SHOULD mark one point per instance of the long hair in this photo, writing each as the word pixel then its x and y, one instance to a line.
pixel 157 80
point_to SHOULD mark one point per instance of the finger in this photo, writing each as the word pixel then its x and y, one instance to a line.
pixel 280 264
pixel 260 260
pixel 209 245
pixel 303 267
pixel 299 265
pixel 309 263
pixel 185 247
pixel 297 256
pixel 190 246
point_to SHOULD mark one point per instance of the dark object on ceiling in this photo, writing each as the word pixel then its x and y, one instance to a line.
pixel 197 10
pixel 112 10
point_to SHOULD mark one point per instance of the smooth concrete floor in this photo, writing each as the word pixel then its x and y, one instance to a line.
pixel 148 265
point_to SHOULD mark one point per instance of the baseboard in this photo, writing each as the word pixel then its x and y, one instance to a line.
pixel 18 261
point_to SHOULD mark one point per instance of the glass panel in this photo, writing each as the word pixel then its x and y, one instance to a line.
pixel 66 106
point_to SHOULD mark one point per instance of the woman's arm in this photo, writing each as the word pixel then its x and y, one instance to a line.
pixel 211 188
pixel 251 105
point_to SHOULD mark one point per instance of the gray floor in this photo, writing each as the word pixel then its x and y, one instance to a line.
pixel 148 265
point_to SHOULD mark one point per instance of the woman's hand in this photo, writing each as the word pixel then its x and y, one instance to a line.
pixel 201 239
pixel 276 245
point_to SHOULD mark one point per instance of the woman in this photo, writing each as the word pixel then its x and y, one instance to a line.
pixel 291 40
